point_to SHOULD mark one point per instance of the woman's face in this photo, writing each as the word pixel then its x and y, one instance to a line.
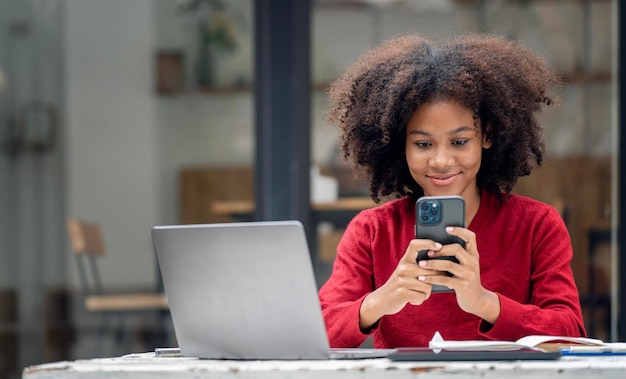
pixel 444 149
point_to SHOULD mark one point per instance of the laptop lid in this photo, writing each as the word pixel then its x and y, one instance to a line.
pixel 241 290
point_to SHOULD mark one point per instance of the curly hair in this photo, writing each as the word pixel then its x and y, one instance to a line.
pixel 503 83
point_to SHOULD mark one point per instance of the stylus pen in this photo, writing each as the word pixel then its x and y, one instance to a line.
pixel 167 352
pixel 591 353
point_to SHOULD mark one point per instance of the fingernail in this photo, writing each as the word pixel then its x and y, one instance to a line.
pixel 421 277
pixel 422 263
pixel 449 228
pixel 430 253
pixel 438 245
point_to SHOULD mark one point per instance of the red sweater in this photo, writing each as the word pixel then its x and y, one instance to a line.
pixel 525 255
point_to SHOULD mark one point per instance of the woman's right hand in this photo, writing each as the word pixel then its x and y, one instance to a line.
pixel 402 287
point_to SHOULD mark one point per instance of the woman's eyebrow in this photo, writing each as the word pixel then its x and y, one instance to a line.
pixel 460 129
pixel 454 131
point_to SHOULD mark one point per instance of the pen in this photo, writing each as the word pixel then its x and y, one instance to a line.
pixel 167 352
pixel 591 352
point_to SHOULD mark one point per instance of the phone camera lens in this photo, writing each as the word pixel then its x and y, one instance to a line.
pixel 425 207
pixel 424 217
pixel 434 212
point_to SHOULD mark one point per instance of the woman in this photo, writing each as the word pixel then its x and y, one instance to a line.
pixel 454 117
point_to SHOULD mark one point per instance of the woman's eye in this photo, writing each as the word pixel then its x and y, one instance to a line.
pixel 460 142
pixel 422 144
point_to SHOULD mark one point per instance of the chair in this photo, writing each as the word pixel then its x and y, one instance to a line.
pixel 87 244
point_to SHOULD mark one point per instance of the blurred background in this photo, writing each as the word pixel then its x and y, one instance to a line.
pixel 135 113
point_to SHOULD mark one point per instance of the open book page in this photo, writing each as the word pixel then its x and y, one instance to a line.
pixel 535 341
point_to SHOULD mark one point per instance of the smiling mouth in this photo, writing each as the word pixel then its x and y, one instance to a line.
pixel 442 180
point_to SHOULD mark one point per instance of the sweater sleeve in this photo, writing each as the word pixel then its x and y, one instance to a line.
pixel 554 307
pixel 351 280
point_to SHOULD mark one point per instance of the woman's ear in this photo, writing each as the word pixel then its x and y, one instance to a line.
pixel 487 132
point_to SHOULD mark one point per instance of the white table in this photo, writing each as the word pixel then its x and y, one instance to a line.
pixel 146 365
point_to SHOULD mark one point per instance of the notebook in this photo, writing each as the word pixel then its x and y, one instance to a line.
pixel 244 291
pixel 428 354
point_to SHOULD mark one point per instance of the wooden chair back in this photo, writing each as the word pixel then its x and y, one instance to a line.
pixel 85 237
pixel 87 244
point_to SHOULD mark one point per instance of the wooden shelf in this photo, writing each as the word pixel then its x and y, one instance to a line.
pixel 230 90
pixel 591 77
pixel 231 207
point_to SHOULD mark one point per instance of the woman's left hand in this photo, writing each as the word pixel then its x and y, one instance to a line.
pixel 471 296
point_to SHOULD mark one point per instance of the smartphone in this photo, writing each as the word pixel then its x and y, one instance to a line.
pixel 432 215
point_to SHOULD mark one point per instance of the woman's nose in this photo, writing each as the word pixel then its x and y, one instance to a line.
pixel 441 158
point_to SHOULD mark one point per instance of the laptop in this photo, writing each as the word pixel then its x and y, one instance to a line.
pixel 244 290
